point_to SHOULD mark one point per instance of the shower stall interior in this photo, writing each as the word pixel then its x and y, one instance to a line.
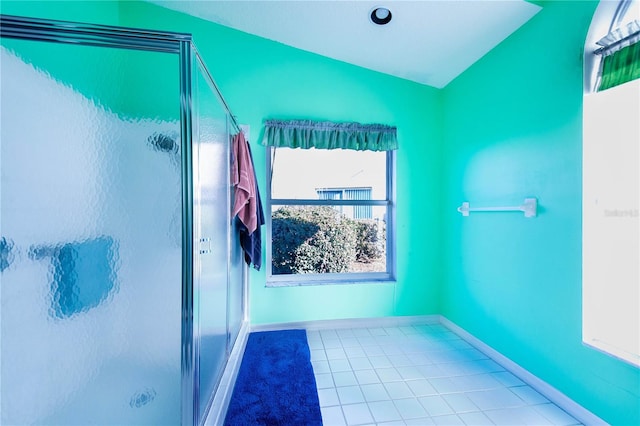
pixel 121 275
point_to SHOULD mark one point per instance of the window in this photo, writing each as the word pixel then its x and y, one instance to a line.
pixel 331 216
pixel 611 182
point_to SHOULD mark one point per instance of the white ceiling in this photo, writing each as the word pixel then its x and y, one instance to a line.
pixel 428 41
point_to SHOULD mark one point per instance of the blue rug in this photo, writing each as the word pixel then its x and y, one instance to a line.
pixel 275 384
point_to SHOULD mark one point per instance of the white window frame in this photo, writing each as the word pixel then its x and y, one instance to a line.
pixel 285 280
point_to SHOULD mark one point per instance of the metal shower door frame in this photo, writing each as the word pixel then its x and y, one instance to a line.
pixel 180 44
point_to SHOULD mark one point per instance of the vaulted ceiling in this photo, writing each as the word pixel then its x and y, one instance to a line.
pixel 427 41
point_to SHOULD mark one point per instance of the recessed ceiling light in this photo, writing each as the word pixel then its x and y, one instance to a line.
pixel 380 16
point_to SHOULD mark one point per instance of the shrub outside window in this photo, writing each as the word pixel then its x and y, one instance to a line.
pixel 331 216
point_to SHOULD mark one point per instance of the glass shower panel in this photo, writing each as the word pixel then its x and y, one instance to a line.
pixel 90 235
pixel 236 284
pixel 211 218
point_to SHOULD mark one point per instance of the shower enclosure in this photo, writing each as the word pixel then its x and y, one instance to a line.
pixel 121 278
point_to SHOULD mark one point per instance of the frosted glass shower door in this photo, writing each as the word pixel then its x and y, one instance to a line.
pixel 212 233
pixel 90 235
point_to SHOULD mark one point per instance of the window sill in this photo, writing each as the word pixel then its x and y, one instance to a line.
pixel 336 279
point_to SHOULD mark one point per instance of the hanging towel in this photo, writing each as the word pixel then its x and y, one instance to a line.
pixel 243 178
pixel 251 243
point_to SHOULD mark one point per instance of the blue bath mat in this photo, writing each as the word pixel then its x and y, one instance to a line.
pixel 275 384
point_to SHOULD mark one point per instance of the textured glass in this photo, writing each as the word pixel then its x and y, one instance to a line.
pixel 236 286
pixel 90 236
pixel 211 211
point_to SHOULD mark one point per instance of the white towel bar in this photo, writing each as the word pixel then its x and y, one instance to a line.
pixel 529 207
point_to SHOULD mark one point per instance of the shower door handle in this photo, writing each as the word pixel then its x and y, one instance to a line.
pixel 205 245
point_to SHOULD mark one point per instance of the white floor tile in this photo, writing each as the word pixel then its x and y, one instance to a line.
pixel 444 385
pixel 450 419
pixel 424 421
pixel 345 333
pixel 431 371
pixel 399 360
pixel 360 363
pixel 357 414
pixel 332 416
pixel 460 403
pixel 332 343
pixel 389 375
pixel 367 377
pixel 475 419
pixel 350 395
pixel 384 411
pixel 398 390
pixel 410 408
pixel 435 405
pixel 328 397
pixel 380 361
pixel 375 392
pixel 328 334
pixel 318 355
pixel 350 342
pixel 494 399
pixel 355 351
pixel 373 350
pixel 410 373
pixel 517 415
pixel 320 367
pixel 421 387
pixel 476 382
pixel 392 349
pixel 335 353
pixel 337 365
pixel 367 341
pixel 344 378
pixel 324 380
pixel 419 375
pixel 361 332
pixel 315 344
pixel 418 358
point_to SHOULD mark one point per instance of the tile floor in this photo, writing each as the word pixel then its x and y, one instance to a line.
pixel 419 375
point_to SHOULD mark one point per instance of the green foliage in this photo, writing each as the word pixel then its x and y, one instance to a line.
pixel 316 239
pixel 370 240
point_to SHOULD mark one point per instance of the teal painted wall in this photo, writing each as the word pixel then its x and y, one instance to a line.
pixel 261 79
pixel 513 128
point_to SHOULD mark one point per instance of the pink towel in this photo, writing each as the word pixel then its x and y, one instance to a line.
pixel 243 178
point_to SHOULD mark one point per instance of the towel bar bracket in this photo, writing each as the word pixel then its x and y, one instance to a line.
pixel 529 208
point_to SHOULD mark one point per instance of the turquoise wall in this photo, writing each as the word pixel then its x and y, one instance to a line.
pixel 508 128
pixel 261 79
pixel 513 129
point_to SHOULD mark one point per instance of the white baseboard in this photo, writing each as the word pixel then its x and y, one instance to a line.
pixel 220 404
pixel 351 323
pixel 552 394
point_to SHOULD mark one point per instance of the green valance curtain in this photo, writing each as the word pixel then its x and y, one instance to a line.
pixel 307 134
pixel 620 67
